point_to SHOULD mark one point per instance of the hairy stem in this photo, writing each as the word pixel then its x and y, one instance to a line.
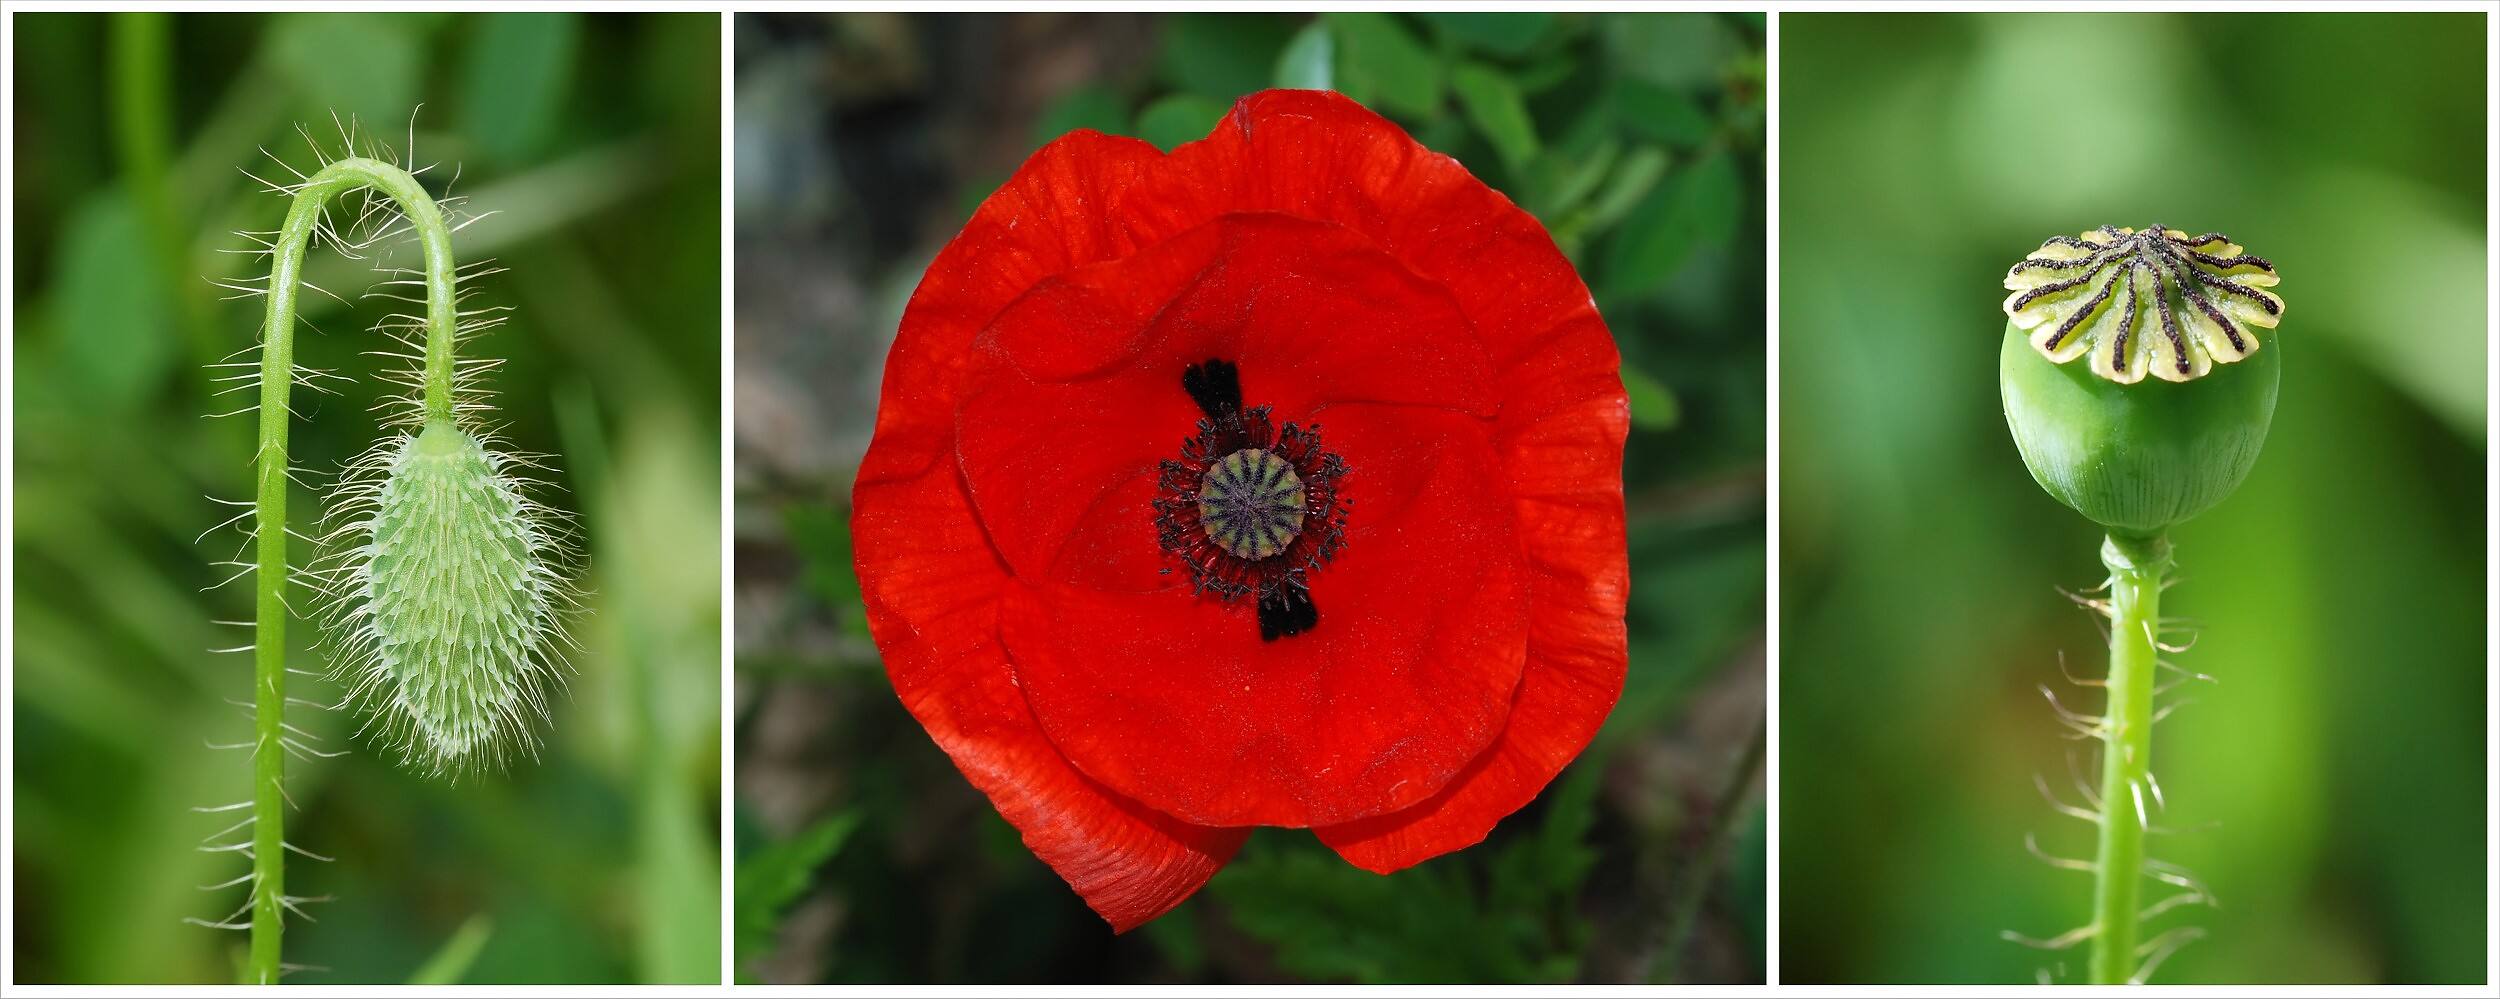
pixel 277 379
pixel 2136 567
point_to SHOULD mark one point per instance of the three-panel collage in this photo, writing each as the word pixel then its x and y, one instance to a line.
pixel 1681 501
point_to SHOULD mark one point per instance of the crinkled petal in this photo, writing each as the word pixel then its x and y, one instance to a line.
pixel 1319 155
pixel 1052 216
pixel 1546 362
pixel 1566 476
pixel 1076 387
pixel 1173 698
pixel 932 586
pixel 932 580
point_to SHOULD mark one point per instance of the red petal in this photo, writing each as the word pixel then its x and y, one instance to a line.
pixel 1565 474
pixel 1174 700
pixel 1563 414
pixel 1089 199
pixel 1046 219
pixel 932 586
pixel 932 580
pixel 1319 155
pixel 1076 386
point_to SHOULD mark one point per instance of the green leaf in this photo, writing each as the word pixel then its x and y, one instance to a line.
pixel 1697 594
pixel 1182 943
pixel 1093 107
pixel 451 964
pixel 1546 73
pixel 1634 177
pixel 677 941
pixel 1653 407
pixel 1495 107
pixel 519 65
pixel 1443 133
pixel 1177 119
pixel 821 535
pixel 1309 61
pixel 1746 881
pixel 1672 50
pixel 1564 178
pixel 1225 55
pixel 115 312
pixel 1492 914
pixel 1691 208
pixel 1380 64
pixel 1660 114
pixel 1545 871
pixel 359 66
pixel 1503 34
pixel 772 878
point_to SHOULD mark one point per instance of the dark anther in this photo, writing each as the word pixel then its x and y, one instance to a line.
pixel 1286 611
pixel 1215 386
pixel 1251 510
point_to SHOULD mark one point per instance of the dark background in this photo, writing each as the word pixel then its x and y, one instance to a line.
pixel 2340 591
pixel 595 140
pixel 865 140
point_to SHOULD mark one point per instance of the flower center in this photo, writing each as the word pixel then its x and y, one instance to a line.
pixel 1250 510
pixel 1251 504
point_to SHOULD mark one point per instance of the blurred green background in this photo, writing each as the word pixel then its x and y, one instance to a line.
pixel 863 143
pixel 593 140
pixel 2340 591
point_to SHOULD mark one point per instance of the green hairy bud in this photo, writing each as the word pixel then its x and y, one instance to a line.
pixel 445 585
pixel 451 600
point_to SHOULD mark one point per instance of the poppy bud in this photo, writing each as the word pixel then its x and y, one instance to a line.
pixel 2134 455
pixel 452 598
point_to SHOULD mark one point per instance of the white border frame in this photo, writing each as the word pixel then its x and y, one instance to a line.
pixel 1771 776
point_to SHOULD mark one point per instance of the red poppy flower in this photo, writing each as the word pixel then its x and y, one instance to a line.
pixel 1275 481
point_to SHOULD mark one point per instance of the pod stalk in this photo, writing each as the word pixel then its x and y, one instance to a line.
pixel 2137 565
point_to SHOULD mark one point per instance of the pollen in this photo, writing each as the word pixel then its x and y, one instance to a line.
pixel 1251 504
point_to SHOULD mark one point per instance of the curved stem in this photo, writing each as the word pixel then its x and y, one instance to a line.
pixel 277 378
pixel 2136 567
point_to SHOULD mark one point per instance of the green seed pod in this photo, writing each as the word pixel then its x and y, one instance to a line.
pixel 451 599
pixel 2138 456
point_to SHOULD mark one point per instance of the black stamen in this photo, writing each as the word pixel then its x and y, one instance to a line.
pixel 2208 239
pixel 2180 270
pixel 2126 326
pixel 2170 323
pixel 2075 321
pixel 1249 509
pixel 1285 611
pixel 1215 386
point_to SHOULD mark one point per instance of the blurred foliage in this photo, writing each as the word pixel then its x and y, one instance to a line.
pixel 1636 138
pixel 2340 592
pixel 590 143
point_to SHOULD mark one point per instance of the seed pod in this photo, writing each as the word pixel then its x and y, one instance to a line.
pixel 450 600
pixel 2133 455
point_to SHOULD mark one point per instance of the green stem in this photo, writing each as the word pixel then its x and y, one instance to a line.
pixel 277 379
pixel 2136 567
pixel 1726 810
pixel 142 54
